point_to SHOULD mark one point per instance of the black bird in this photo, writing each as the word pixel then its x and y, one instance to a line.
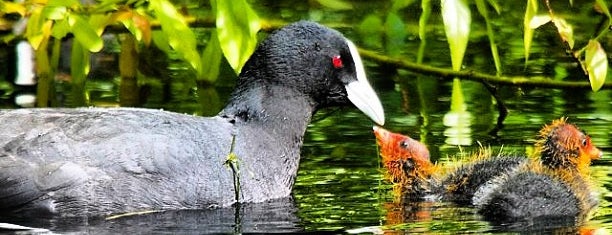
pixel 95 161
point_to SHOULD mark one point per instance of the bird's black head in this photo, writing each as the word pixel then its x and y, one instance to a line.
pixel 315 61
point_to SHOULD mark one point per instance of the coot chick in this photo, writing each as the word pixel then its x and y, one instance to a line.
pixel 555 185
pixel 94 161
pixel 407 164
pixel 552 185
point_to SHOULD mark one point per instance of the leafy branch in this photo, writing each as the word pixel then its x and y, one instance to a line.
pixel 471 75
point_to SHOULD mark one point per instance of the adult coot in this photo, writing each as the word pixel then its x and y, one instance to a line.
pixel 94 161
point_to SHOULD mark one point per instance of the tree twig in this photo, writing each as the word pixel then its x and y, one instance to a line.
pixel 445 73
pixel 501 107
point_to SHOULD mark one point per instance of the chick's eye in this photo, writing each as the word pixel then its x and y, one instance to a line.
pixel 585 142
pixel 337 62
pixel 403 144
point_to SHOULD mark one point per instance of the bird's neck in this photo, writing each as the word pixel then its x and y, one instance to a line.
pixel 275 109
pixel 270 123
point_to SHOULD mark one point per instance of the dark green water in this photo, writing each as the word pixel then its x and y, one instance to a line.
pixel 339 185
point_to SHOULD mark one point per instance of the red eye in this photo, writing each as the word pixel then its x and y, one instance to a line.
pixel 337 62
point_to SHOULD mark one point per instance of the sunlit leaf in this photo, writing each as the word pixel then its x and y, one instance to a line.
pixel 370 30
pixel 107 5
pixel 565 31
pixel 64 3
pixel 483 10
pixel 425 13
pixel 530 12
pixel 11 7
pixel 237 26
pixel 495 5
pixel 597 64
pixel 60 29
pixel 457 19
pixel 127 18
pixel 396 34
pixel 179 35
pixel 336 4
pixel 54 12
pixel 211 57
pixel 131 26
pixel 401 4
pixel 539 20
pixel 161 41
pixel 602 6
pixel 143 24
pixel 85 33
pixel 34 28
pixel 122 15
pixel 99 22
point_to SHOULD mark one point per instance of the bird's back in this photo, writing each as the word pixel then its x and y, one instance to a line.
pixel 104 160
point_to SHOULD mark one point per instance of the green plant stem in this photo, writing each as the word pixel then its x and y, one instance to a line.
pixel 448 74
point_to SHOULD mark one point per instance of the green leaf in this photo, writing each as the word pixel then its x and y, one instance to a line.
pixel 179 35
pixel 60 29
pixel 483 10
pixel 237 26
pixel 457 19
pixel 530 12
pixel 565 31
pixel 8 7
pixel 85 33
pixel 597 64
pixel 211 57
pixel 64 3
pixel 107 5
pixel 131 26
pixel 370 30
pixel 336 4
pixel 539 20
pixel 54 12
pixel 493 3
pixel 34 28
pixel 603 7
pixel 425 13
pixel 99 22
pixel 161 41
pixel 396 34
pixel 400 4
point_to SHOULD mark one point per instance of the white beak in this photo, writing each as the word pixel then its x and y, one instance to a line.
pixel 361 94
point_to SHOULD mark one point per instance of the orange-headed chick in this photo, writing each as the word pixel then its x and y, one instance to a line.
pixel 406 161
pixel 564 146
pixel 553 186
pixel 504 188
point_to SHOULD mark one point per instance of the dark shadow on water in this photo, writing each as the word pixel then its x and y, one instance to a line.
pixel 277 216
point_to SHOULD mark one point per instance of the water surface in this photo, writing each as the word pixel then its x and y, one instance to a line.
pixel 340 184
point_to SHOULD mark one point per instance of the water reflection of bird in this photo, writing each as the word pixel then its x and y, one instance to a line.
pixel 504 188
pixel 94 161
